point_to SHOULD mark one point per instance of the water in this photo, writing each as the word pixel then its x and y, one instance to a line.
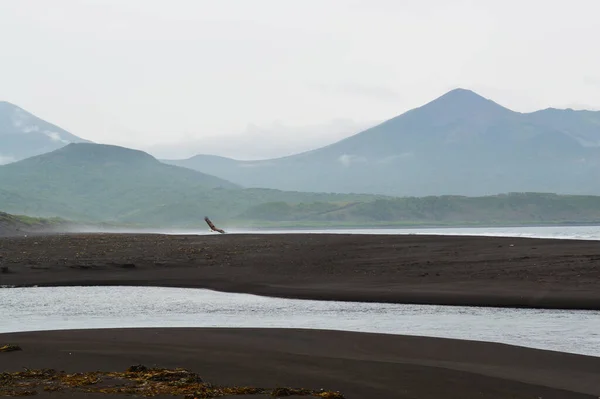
pixel 53 308
pixel 34 309
pixel 560 232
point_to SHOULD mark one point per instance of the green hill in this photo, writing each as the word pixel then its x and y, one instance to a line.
pixel 20 224
pixel 102 183
pixel 97 182
pixel 502 209
pixel 94 184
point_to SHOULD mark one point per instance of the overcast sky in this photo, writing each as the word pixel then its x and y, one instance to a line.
pixel 146 72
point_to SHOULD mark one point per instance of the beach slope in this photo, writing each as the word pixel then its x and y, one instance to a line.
pixel 359 365
pixel 447 270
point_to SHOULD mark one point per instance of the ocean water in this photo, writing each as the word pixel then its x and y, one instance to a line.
pixel 55 308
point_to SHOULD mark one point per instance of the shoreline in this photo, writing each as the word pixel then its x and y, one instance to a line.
pixel 425 269
pixel 359 365
pixel 70 227
pixel 571 302
pixel 409 269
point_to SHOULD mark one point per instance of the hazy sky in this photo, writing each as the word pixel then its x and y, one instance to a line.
pixel 144 72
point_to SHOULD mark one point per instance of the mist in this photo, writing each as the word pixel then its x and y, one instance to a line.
pixel 258 142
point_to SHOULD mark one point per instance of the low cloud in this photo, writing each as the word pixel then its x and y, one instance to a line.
pixel 582 107
pixel 27 129
pixel 4 159
pixel 348 159
pixel 56 137
pixel 262 142
pixel 380 93
pixel 592 80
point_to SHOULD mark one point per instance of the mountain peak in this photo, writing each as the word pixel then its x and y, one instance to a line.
pixel 6 107
pixel 25 135
pixel 464 97
pixel 461 103
pixel 464 94
pixel 93 154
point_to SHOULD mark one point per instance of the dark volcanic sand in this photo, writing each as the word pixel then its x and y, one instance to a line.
pixel 359 365
pixel 417 269
pixel 486 271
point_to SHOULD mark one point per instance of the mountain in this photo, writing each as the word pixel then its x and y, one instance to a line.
pixel 96 181
pixel 501 209
pixel 458 144
pixel 92 182
pixel 23 135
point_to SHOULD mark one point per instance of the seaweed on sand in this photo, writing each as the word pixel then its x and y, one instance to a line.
pixel 136 380
pixel 10 348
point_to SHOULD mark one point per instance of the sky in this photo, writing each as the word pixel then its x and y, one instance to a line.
pixel 196 76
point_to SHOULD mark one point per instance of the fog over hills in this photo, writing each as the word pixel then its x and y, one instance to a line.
pixel 457 144
pixel 23 134
pixel 96 182
pixel 259 142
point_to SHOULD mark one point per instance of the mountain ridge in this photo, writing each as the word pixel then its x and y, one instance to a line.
pixel 459 143
pixel 96 180
pixel 24 135
pixel 92 183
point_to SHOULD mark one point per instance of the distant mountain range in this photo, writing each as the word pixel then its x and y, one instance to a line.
pixel 92 181
pixel 104 183
pixel 458 144
pixel 24 135
pixel 108 185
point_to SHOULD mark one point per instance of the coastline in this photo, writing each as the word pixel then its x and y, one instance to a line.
pixel 411 269
pixel 359 365
pixel 455 270
pixel 250 227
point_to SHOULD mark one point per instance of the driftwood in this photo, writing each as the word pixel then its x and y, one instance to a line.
pixel 212 226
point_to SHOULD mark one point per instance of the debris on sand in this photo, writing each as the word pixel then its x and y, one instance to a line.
pixel 282 392
pixel 212 226
pixel 10 348
pixel 137 380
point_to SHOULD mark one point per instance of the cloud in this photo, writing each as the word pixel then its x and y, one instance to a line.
pixel 27 129
pixel 348 159
pixel 380 93
pixel 4 159
pixel 591 80
pixel 262 142
pixel 55 136
pixel 582 107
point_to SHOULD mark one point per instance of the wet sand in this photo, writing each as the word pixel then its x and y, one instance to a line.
pixel 357 364
pixel 480 271
pixel 411 269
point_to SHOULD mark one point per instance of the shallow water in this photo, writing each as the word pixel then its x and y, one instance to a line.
pixel 561 232
pixel 52 308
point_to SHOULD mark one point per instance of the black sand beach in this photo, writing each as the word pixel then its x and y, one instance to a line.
pixel 412 269
pixel 356 364
pixel 485 271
